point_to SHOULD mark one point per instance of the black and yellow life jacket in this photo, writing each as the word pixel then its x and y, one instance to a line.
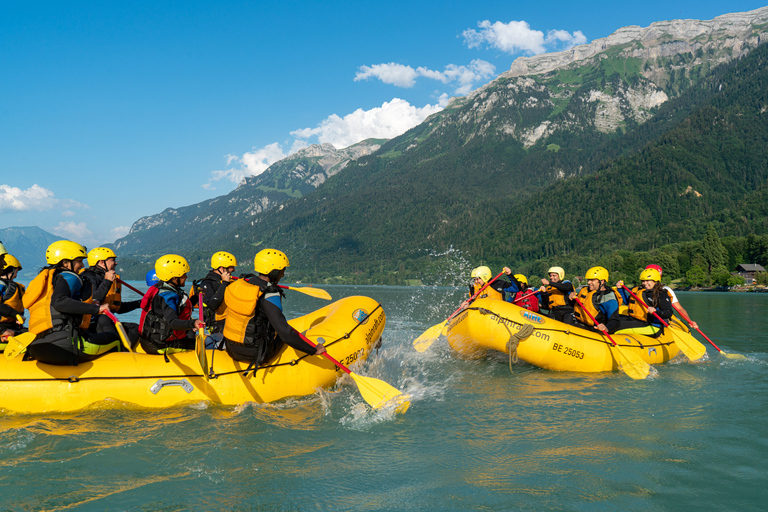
pixel 591 300
pixel 555 298
pixel 489 293
pixel 37 299
pixel 11 294
pixel 636 310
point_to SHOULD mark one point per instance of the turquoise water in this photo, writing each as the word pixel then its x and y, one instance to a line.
pixel 694 437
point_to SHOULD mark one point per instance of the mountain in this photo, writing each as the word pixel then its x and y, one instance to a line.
pixel 28 245
pixel 510 172
pixel 291 177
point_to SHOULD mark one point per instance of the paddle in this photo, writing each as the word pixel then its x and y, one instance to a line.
pixel 629 361
pixel 202 357
pixel 526 296
pixel 120 330
pixel 429 336
pixel 374 391
pixel 312 292
pixel 131 287
pixel 18 344
pixel 692 349
pixel 722 352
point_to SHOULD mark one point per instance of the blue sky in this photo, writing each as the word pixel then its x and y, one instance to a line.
pixel 110 111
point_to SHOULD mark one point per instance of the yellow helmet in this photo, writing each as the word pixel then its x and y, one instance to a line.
pixel 521 279
pixel 557 270
pixel 599 273
pixel 650 274
pixel 9 261
pixel 268 260
pixel 64 250
pixel 222 259
pixel 99 254
pixel 483 273
pixel 169 266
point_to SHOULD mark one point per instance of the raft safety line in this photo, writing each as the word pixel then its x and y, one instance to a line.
pixel 484 311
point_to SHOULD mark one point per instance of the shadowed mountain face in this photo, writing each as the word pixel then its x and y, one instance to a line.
pixel 627 142
pixel 28 245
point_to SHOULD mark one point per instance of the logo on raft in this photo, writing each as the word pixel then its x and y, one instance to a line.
pixel 360 316
pixel 532 317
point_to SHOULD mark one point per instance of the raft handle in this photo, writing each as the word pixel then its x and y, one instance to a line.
pixel 160 384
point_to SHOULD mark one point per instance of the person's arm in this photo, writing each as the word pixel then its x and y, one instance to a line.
pixel 62 301
pixel 168 306
pixel 213 298
pixel 286 333
pixel 665 310
pixel 564 286
pixel 610 310
pixel 127 307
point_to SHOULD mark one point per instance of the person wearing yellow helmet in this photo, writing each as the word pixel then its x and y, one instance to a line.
pixel 675 302
pixel 480 276
pixel 255 328
pixel 11 294
pixel 56 309
pixel 653 294
pixel 601 301
pixel 519 293
pixel 166 324
pixel 213 286
pixel 101 285
pixel 555 293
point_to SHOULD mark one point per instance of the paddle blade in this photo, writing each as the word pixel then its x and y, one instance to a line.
pixel 18 344
pixel 632 364
pixel 732 356
pixel 312 292
pixel 378 393
pixel 202 357
pixel 692 349
pixel 123 336
pixel 428 337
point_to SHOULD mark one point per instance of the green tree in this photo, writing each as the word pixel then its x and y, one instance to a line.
pixel 720 276
pixel 761 278
pixel 735 281
pixel 714 252
pixel 695 276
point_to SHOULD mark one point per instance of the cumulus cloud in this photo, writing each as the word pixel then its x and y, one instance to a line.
pixel 120 231
pixel 518 36
pixel 389 120
pixel 34 198
pixel 73 230
pixel 463 77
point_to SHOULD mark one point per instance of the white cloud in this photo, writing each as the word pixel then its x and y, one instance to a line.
pixel 120 231
pixel 33 198
pixel 517 36
pixel 390 120
pixel 392 73
pixel 74 230
pixel 463 77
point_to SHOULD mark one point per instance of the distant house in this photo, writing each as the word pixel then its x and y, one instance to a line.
pixel 748 270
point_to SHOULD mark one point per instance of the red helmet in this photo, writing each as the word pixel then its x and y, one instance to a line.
pixel 655 267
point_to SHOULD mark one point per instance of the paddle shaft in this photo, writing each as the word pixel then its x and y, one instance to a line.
pixel 325 354
pixel 605 333
pixel 478 292
pixel 526 296
pixel 131 287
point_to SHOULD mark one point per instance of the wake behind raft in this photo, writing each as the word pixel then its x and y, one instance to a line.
pixel 490 324
pixel 350 328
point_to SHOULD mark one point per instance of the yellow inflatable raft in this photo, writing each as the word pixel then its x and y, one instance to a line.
pixel 350 328
pixel 488 324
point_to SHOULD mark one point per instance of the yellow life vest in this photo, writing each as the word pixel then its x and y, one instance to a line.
pixel 587 298
pixel 555 297
pixel 488 293
pixel 240 299
pixel 14 301
pixel 637 310
pixel 37 299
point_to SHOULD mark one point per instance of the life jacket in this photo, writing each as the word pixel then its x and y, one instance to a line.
pixel 37 299
pixel 530 302
pixel 113 298
pixel 489 293
pixel 555 298
pixel 591 300
pixel 210 316
pixel 637 310
pixel 152 325
pixel 246 322
pixel 11 294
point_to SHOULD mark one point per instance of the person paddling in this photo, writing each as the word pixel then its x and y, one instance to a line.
pixel 255 328
pixel 56 310
pixel 213 286
pixel 166 311
pixel 655 297
pixel 519 293
pixel 555 294
pixel 601 303
pixel 101 285
pixel 11 294
pixel 675 303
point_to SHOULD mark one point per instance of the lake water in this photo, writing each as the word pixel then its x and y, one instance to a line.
pixel 477 437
